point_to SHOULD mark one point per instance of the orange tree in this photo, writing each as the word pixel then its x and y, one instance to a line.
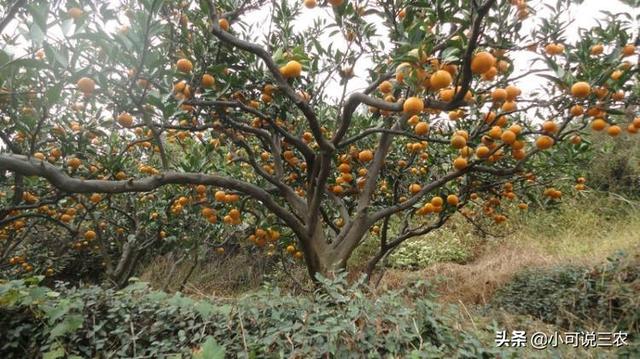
pixel 200 121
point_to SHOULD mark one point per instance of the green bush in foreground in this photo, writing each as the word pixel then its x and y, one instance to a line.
pixel 605 297
pixel 339 321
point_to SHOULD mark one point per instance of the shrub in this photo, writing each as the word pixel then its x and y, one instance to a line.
pixel 424 252
pixel 339 321
pixel 573 297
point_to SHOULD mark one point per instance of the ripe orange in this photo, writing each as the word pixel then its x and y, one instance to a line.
pixel 518 154
pixel 310 4
pixel 544 142
pixel 385 87
pixel 413 105
pixel 509 106
pixel 437 201
pixel 184 65
pixel 581 89
pixel 86 86
pixel 74 163
pixel 125 119
pixel 614 130
pixel 597 49
pixel 365 156
pixel 576 140
pixel 636 122
pixel 482 151
pixel 234 214
pixel 512 92
pixel 89 235
pixel 628 50
pixel 452 200
pixel 598 124
pixel 523 206
pixel 415 188
pixel 632 129
pixel 508 137
pixel 446 94
pixel 495 132
pixel 95 198
pixel 291 69
pixel 482 62
pixel 549 126
pixel 201 189
pixel 224 24
pixel 499 95
pixel 421 128
pixel 207 81
pixel 121 176
pixel 75 12
pixel 576 110
pixel 440 79
pixel 460 163
pixel 220 196
pixel 66 218
pixel 458 141
pixel 616 75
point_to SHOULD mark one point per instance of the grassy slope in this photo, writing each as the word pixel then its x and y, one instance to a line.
pixel 582 232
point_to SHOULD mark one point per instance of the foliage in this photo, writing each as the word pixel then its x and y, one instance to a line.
pixel 422 252
pixel 340 320
pixel 575 297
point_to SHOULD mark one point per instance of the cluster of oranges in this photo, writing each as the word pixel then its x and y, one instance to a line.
pixel 261 236
pixel 435 205
pixel 22 262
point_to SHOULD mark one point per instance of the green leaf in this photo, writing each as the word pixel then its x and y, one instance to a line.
pixel 70 324
pixel 211 350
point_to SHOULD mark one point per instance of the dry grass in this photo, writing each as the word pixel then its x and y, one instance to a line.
pixel 574 234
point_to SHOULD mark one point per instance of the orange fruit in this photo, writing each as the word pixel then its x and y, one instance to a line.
pixel 310 4
pixel 121 176
pixel 224 24
pixel 549 126
pixel 628 50
pixel 74 163
pixel 482 62
pixel 581 89
pixel 385 87
pixel 184 65
pixel 576 110
pixel 616 75
pixel 201 189
pixel 413 105
pixel 89 235
pixel 86 85
pixel 460 163
pixel 440 79
pixel 335 2
pixel 614 130
pixel 598 124
pixel 220 196
pixel 458 141
pixel 508 137
pixel 509 106
pixel 436 201
pixel 365 156
pixel 125 119
pixel 207 81
pixel 75 12
pixel 576 140
pixel 421 128
pixel 636 122
pixel 95 198
pixel 482 151
pixel 446 94
pixel 523 206
pixel 512 92
pixel 452 200
pixel 291 69
pixel 544 142
pixel 414 188
pixel 597 49
pixel 499 95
